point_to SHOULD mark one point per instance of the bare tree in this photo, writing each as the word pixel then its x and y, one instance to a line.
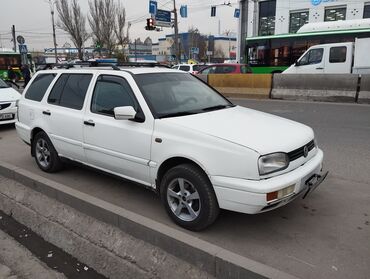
pixel 119 27
pixel 72 21
pixel 102 20
pixel 199 41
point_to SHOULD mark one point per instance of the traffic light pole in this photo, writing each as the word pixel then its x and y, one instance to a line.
pixel 177 49
pixel 53 23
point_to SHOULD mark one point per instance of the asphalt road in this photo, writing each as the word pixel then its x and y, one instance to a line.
pixel 325 236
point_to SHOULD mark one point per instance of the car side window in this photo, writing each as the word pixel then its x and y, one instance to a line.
pixel 70 90
pixel 314 56
pixel 225 69
pixel 111 92
pixel 38 88
pixel 338 54
pixel 184 68
pixel 210 70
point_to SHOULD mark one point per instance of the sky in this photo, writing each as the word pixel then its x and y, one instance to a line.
pixel 32 20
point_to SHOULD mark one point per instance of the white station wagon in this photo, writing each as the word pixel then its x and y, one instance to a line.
pixel 171 132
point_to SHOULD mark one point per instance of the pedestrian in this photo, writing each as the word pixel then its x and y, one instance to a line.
pixel 12 76
pixel 26 75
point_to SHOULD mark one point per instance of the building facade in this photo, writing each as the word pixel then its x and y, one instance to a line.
pixel 272 17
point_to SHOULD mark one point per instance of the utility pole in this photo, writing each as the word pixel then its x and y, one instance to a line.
pixel 177 49
pixel 14 40
pixel 243 30
pixel 51 2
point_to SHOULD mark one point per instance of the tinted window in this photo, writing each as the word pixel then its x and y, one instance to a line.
pixel 3 84
pixel 111 92
pixel 334 14
pixel 338 54
pixel 267 11
pixel 225 69
pixel 367 11
pixel 40 84
pixel 56 92
pixel 198 67
pixel 74 91
pixel 297 20
pixel 185 68
pixel 314 56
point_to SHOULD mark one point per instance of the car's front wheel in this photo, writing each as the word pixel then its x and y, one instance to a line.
pixel 45 154
pixel 189 198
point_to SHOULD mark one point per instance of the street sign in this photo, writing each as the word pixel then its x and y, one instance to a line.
pixel 195 50
pixel 23 49
pixel 152 7
pixel 237 13
pixel 209 53
pixel 184 11
pixel 162 15
pixel 20 40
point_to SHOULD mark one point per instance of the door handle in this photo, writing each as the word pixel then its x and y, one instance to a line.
pixel 89 123
pixel 46 112
pixel 319 68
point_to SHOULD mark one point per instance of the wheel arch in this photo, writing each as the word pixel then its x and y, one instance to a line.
pixel 34 132
pixel 173 162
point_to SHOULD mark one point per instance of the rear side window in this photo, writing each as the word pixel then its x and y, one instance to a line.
pixel 70 90
pixel 37 89
pixel 338 54
pixel 111 92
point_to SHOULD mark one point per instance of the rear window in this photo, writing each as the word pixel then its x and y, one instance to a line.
pixel 185 68
pixel 198 67
pixel 338 54
pixel 225 69
pixel 70 90
pixel 40 84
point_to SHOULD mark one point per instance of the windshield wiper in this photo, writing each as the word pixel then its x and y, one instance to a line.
pixel 180 113
pixel 217 107
pixel 4 86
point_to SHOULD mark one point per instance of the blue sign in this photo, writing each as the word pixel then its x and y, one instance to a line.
pixel 152 7
pixel 23 49
pixel 184 11
pixel 237 13
pixel 316 2
pixel 162 15
pixel 195 50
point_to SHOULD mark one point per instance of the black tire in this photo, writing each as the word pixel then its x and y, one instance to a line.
pixel 47 159
pixel 205 209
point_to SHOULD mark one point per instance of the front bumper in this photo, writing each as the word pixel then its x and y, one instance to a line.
pixel 249 196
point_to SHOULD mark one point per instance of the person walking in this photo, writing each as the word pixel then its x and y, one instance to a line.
pixel 26 74
pixel 12 76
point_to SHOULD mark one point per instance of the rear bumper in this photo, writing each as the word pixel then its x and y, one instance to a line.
pixel 249 196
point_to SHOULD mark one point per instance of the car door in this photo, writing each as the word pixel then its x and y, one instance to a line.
pixel 119 146
pixel 64 114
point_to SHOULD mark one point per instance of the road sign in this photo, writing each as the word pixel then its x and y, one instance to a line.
pixel 184 11
pixel 237 13
pixel 162 15
pixel 20 40
pixel 209 53
pixel 23 49
pixel 153 7
pixel 195 50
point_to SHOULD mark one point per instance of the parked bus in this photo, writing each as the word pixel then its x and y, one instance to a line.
pixel 274 54
pixel 12 59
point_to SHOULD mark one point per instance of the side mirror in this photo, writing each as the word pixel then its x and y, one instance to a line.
pixel 296 64
pixel 124 113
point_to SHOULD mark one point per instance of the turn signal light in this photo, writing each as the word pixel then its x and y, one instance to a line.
pixel 280 194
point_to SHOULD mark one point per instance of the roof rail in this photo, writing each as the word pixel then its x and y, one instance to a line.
pixel 142 64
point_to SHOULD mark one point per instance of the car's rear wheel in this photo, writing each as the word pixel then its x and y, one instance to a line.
pixel 189 198
pixel 45 154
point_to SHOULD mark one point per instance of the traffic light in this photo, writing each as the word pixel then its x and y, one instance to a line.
pixel 150 24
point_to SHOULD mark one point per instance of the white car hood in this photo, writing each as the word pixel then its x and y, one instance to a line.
pixel 8 95
pixel 262 132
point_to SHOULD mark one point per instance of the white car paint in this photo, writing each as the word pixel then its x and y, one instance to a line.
pixel 226 144
pixel 8 99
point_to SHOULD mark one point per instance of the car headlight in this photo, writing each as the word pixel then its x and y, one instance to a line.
pixel 272 163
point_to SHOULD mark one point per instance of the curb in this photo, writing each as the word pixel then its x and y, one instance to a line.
pixel 217 261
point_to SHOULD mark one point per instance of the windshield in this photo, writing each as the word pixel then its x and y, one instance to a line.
pixel 3 84
pixel 176 94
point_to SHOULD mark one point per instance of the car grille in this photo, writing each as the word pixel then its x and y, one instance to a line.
pixel 4 106
pixel 299 152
